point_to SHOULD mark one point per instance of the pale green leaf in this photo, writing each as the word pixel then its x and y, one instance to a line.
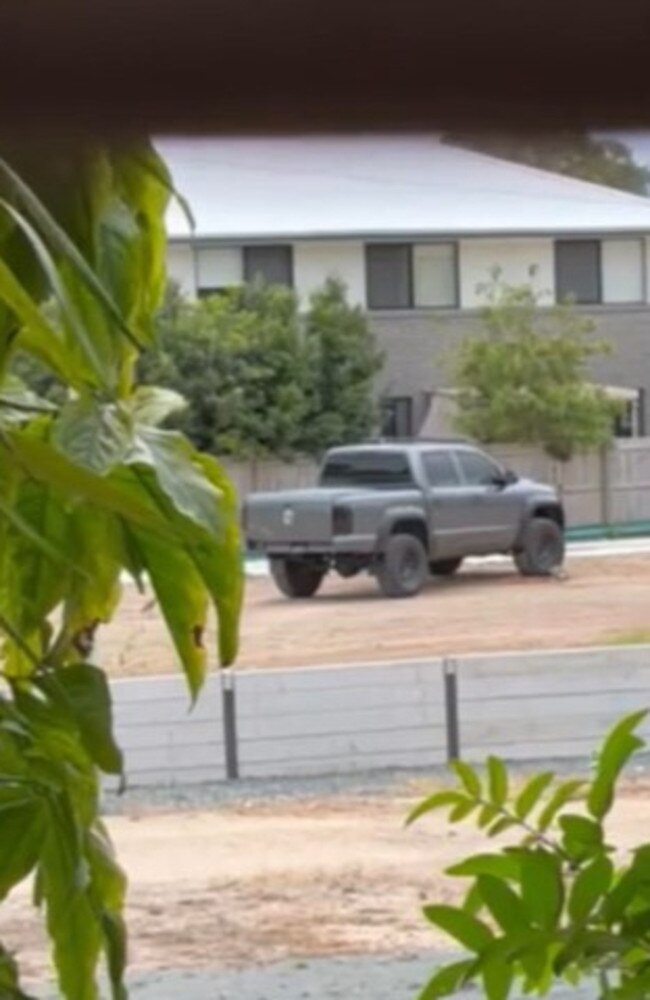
pixel 589 887
pixel 468 777
pixel 531 793
pixel 439 800
pixel 94 436
pixel 462 926
pixel 564 793
pixel 497 980
pixel 502 866
pixel 497 781
pixel 150 405
pixel 542 888
pixel 503 903
pixel 446 981
pixel 619 746
pixel 86 694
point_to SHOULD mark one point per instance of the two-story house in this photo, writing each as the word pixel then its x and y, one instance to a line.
pixel 414 228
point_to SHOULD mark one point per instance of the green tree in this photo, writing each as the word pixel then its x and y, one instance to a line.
pixel 262 380
pixel 237 358
pixel 342 362
pixel 577 154
pixel 525 381
pixel 90 488
pixel 557 904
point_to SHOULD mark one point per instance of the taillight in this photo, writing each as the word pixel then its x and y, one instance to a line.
pixel 342 521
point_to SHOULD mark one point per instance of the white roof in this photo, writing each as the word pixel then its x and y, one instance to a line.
pixel 379 186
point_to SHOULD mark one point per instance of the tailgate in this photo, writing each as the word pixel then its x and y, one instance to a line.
pixel 282 520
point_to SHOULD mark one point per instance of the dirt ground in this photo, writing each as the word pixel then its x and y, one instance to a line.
pixel 255 883
pixel 487 607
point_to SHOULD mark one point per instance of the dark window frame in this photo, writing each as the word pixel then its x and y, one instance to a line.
pixel 598 243
pixel 394 402
pixel 410 246
pixel 248 248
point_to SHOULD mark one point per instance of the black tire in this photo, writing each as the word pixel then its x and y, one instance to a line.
pixel 542 548
pixel 403 567
pixel 445 567
pixel 296 577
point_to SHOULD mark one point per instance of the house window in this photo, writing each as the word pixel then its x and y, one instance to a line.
pixel 434 275
pixel 388 269
pixel 397 417
pixel 217 268
pixel 622 262
pixel 600 271
pixel 577 271
pixel 272 264
pixel 408 276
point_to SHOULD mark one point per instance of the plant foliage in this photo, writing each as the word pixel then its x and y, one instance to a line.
pixel 90 489
pixel 556 903
pixel 262 380
pixel 525 382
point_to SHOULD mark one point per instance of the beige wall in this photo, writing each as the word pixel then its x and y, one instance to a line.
pixel 314 263
pixel 515 259
pixel 180 265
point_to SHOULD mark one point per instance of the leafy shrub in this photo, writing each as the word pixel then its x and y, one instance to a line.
pixel 554 905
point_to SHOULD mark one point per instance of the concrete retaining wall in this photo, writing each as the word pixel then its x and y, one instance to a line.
pixel 522 706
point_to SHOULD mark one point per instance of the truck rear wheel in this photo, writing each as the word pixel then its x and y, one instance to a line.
pixel 297 577
pixel 542 548
pixel 403 568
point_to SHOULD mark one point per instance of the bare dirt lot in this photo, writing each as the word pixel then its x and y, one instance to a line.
pixel 485 607
pixel 246 884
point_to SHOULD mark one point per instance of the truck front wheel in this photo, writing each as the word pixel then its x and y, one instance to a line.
pixel 403 567
pixel 297 577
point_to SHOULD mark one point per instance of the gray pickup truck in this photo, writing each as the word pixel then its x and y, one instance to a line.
pixel 402 511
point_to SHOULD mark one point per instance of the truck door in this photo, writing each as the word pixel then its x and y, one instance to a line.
pixel 446 503
pixel 493 508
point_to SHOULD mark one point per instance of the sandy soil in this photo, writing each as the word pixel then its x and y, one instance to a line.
pixel 237 886
pixel 490 608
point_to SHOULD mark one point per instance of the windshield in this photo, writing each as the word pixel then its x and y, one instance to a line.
pixel 377 469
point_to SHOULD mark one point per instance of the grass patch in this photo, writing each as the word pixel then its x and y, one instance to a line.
pixel 629 637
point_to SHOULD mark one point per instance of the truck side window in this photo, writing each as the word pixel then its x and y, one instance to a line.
pixel 440 470
pixel 477 469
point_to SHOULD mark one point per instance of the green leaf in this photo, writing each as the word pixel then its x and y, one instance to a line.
pixel 71 918
pixel 497 781
pixel 589 887
pixel 487 815
pixel 150 405
pixel 22 828
pixel 447 980
pixel 439 800
pixel 566 792
pixel 542 888
pixel 501 866
pixel 582 837
pixel 531 793
pixel 60 240
pixel 9 984
pixel 94 436
pixel 87 695
pixel 501 825
pixel 503 903
pixel 497 980
pixel 468 776
pixel 183 601
pixel 464 928
pixel 462 810
pixel 179 476
pixel 619 746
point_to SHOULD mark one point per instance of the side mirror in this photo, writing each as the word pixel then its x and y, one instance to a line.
pixel 505 478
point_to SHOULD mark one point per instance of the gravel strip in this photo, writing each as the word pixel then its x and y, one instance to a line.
pixel 360 784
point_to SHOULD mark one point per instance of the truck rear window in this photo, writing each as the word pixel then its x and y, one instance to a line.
pixel 367 468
